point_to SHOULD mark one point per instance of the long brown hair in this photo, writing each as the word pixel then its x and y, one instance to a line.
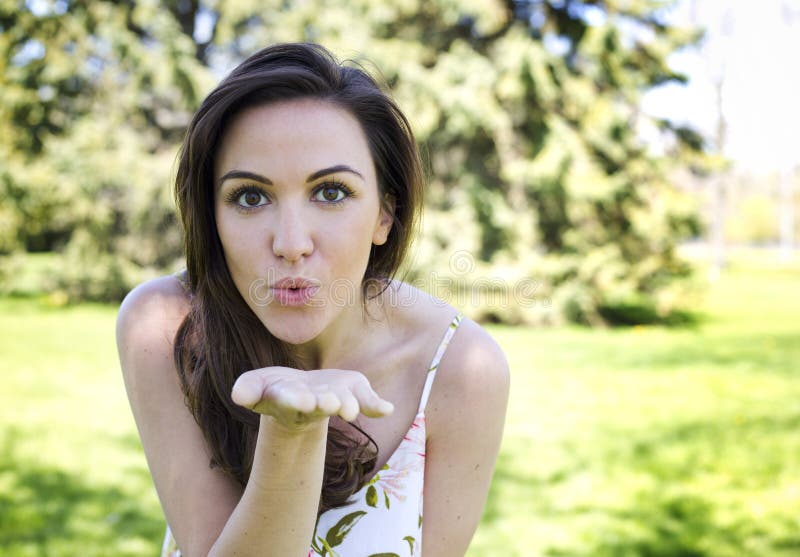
pixel 221 337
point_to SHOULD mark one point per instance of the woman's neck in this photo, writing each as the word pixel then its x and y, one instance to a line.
pixel 348 338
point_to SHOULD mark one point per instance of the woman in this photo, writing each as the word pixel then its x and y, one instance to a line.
pixel 283 386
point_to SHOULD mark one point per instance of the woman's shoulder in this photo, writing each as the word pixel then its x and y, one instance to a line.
pixel 151 314
pixel 416 306
pixel 147 323
pixel 473 364
pixel 425 313
pixel 427 316
pixel 166 295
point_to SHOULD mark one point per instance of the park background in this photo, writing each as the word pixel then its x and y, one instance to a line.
pixel 622 180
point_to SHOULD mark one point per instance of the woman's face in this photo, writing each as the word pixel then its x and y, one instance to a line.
pixel 297 197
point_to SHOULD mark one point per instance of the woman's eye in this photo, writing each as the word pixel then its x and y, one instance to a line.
pixel 331 193
pixel 248 198
pixel 251 198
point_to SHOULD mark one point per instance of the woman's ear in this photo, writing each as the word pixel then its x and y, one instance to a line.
pixel 385 220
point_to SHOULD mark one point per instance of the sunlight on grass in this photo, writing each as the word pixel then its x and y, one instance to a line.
pixel 650 441
pixel 72 475
pixel 654 441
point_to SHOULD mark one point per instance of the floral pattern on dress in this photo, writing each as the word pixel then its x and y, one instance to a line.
pixel 389 486
pixel 391 479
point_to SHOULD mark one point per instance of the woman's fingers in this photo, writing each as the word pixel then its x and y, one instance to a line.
pixel 248 389
pixel 327 401
pixel 350 407
pixel 292 394
pixel 280 392
pixel 371 404
pixel 265 385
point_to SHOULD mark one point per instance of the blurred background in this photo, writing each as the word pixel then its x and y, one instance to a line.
pixel 613 190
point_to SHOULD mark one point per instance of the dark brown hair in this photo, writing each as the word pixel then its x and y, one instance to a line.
pixel 221 337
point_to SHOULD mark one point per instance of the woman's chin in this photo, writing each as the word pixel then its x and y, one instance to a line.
pixel 293 331
pixel 292 337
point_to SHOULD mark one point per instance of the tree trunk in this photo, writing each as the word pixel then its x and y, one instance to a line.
pixel 718 184
pixel 787 216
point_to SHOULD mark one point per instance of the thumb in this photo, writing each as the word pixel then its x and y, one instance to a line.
pixel 248 389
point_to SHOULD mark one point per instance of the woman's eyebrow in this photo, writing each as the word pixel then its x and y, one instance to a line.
pixel 333 170
pixel 244 174
pixel 266 181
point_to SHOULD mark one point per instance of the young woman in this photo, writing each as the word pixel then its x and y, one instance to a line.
pixel 283 386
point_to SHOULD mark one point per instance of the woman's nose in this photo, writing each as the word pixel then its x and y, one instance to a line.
pixel 292 235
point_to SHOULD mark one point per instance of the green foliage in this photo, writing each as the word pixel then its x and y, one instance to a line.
pixel 91 109
pixel 527 113
pixel 28 274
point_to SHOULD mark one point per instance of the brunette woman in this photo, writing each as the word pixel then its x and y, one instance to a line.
pixel 292 396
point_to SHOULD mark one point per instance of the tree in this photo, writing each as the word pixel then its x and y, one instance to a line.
pixel 95 96
pixel 527 112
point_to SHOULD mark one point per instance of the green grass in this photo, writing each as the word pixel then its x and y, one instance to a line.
pixel 644 442
pixel 73 480
pixel 654 442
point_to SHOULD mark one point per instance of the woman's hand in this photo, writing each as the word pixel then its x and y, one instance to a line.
pixel 296 398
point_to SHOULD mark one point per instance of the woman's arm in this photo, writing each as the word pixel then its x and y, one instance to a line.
pixel 277 513
pixel 197 500
pixel 208 512
pixel 465 416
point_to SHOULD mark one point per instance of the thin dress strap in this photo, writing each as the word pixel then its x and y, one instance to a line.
pixel 426 391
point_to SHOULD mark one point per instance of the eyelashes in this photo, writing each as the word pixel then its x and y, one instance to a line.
pixel 249 197
pixel 335 185
pixel 237 197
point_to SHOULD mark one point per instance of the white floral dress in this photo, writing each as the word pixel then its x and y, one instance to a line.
pixel 385 517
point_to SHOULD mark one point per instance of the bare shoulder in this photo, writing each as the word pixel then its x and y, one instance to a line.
pixel 473 371
pixel 147 321
pixel 173 443
pixel 473 374
pixel 465 420
pixel 162 299
pixel 420 313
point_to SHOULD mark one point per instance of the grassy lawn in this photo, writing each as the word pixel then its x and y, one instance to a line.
pixel 644 442
pixel 651 442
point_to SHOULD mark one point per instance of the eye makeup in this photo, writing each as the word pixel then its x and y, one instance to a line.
pixel 249 197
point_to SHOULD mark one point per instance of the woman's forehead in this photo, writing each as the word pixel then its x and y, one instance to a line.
pixel 304 135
